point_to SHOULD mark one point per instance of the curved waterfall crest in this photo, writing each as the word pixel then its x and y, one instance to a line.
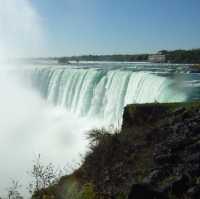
pixel 102 94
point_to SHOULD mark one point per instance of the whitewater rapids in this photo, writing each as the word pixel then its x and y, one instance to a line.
pixel 102 94
pixel 49 109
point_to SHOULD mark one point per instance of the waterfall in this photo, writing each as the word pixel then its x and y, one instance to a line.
pixel 102 94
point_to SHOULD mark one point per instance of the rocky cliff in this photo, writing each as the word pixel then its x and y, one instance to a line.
pixel 156 155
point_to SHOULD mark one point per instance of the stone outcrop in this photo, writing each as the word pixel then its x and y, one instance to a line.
pixel 175 139
pixel 155 155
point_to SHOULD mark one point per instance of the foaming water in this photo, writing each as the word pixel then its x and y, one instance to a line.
pixel 49 109
pixel 29 126
pixel 21 33
pixel 102 94
pixel 51 116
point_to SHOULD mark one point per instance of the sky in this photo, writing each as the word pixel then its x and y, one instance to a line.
pixel 76 27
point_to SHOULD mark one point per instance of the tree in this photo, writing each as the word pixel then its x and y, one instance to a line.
pixel 13 190
pixel 43 176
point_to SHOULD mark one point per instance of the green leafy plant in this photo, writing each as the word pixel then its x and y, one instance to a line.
pixel 43 176
pixel 13 190
pixel 88 192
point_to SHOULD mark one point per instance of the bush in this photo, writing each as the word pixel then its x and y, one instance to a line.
pixel 88 192
pixel 13 190
pixel 44 176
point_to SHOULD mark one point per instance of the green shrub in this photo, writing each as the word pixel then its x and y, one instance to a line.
pixel 121 196
pixel 88 192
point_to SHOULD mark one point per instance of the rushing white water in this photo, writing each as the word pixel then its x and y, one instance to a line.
pixel 102 94
pixel 31 124
pixel 49 109
pixel 28 124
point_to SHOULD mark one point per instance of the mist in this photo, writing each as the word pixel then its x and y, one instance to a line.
pixel 28 124
pixel 21 32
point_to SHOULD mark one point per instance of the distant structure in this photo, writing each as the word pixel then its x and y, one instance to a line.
pixel 157 58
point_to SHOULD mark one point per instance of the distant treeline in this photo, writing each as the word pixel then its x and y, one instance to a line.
pixel 176 56
pixel 182 56
pixel 129 58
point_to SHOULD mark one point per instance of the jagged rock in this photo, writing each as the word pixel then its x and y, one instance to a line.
pixel 194 192
pixel 154 177
pixel 193 158
pixel 194 147
pixel 177 187
pixel 165 158
pixel 145 191
pixel 194 169
pixel 159 146
pixel 179 110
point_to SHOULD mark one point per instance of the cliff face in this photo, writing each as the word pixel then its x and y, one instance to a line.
pixel 155 155
pixel 173 136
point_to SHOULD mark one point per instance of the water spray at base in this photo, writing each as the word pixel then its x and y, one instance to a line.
pixel 30 126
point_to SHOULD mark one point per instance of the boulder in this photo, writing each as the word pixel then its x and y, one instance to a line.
pixel 194 192
pixel 178 186
pixel 145 191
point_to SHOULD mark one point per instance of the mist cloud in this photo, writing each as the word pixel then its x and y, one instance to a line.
pixel 28 125
pixel 21 33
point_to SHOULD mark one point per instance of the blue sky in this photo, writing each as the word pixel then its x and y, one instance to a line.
pixel 74 27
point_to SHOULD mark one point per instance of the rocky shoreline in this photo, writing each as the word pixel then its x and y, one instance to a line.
pixel 155 155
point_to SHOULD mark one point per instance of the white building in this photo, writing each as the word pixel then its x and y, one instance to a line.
pixel 157 58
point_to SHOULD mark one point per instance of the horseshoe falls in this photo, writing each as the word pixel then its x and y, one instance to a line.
pixel 52 107
pixel 102 94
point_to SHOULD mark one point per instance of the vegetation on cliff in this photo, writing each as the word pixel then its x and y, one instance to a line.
pixel 155 155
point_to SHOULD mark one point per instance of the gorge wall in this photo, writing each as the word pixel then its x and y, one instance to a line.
pixel 155 155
